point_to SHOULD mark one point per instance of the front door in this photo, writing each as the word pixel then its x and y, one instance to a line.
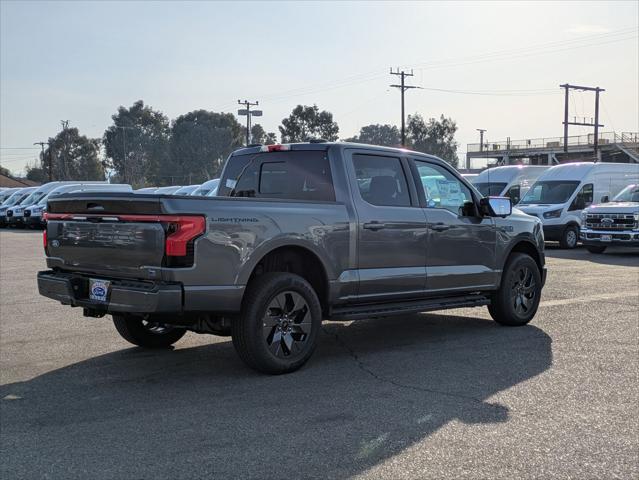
pixel 391 228
pixel 461 248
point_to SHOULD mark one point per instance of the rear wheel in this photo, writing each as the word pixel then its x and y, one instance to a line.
pixel 277 328
pixel 595 249
pixel 146 333
pixel 569 237
pixel 517 299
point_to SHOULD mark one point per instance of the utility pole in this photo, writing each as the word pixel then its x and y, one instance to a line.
pixel 567 87
pixel 481 138
pixel 247 111
pixel 124 152
pixel 49 169
pixel 403 87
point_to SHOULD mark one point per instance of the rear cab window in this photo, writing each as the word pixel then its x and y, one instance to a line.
pixel 289 175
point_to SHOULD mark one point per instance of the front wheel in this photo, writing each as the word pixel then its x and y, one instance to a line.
pixel 517 299
pixel 595 249
pixel 278 325
pixel 569 237
pixel 146 333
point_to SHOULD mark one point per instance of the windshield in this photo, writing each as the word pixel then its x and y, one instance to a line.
pixel 490 189
pixel 14 199
pixel 628 194
pixel 32 199
pixel 550 192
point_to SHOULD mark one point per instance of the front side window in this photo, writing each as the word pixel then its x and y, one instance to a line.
pixel 549 192
pixel 381 180
pixel 583 199
pixel 441 188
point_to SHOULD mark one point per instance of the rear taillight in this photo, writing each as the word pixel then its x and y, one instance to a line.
pixel 44 239
pixel 181 231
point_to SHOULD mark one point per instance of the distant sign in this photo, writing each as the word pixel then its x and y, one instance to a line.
pixel 242 111
pixel 256 113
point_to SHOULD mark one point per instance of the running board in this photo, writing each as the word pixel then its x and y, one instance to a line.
pixel 356 312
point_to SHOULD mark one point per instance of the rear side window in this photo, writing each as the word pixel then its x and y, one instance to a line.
pixel 381 180
pixel 293 175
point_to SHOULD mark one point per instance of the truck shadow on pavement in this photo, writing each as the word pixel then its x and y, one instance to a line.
pixel 372 390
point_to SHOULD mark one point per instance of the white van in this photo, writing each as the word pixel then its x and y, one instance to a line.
pixel 509 181
pixel 563 191
pixel 33 214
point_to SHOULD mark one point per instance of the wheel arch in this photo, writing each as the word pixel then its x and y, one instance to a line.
pixel 293 258
pixel 528 247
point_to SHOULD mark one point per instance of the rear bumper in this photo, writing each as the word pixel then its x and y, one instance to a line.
pixel 133 296
pixel 624 238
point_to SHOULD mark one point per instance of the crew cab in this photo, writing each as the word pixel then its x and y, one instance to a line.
pixel 614 223
pixel 296 234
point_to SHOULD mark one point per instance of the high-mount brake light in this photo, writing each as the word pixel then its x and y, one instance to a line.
pixel 274 148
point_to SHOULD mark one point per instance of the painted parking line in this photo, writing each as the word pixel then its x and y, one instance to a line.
pixel 628 295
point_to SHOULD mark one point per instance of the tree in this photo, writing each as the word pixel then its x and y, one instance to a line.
pixel 259 135
pixel 200 142
pixel 386 135
pixel 73 157
pixel 305 123
pixel 437 137
pixel 137 144
pixel 5 171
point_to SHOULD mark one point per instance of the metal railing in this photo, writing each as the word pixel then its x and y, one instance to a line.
pixel 555 143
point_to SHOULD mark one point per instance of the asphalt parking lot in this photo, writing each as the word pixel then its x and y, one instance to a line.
pixel 450 395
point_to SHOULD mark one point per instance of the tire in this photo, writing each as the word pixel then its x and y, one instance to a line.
pixel 595 249
pixel 147 334
pixel 517 299
pixel 569 237
pixel 277 329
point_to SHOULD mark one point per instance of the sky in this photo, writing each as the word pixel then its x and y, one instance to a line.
pixel 493 65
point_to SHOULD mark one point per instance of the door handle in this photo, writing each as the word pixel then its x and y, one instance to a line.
pixel 439 227
pixel 374 225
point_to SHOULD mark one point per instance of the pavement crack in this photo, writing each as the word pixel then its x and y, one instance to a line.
pixel 369 371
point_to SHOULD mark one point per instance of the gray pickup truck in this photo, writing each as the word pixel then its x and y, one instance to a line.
pixel 296 234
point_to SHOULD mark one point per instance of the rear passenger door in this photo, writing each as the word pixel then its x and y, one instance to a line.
pixel 391 230
pixel 461 248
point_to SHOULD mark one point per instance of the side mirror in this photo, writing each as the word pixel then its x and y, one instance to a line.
pixel 605 199
pixel 496 206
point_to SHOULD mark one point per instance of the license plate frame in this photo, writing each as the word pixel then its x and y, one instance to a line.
pixel 605 237
pixel 99 290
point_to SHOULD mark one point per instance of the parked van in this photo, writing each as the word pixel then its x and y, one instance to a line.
pixel 6 193
pixel 509 181
pixel 18 197
pixel 15 214
pixel 33 215
pixel 563 191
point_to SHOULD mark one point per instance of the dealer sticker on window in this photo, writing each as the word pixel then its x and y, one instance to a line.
pixel 98 289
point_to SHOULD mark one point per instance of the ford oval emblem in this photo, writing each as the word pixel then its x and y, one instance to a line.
pixel 607 221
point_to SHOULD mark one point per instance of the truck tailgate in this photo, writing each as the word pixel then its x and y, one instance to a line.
pixel 111 244
pixel 123 234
